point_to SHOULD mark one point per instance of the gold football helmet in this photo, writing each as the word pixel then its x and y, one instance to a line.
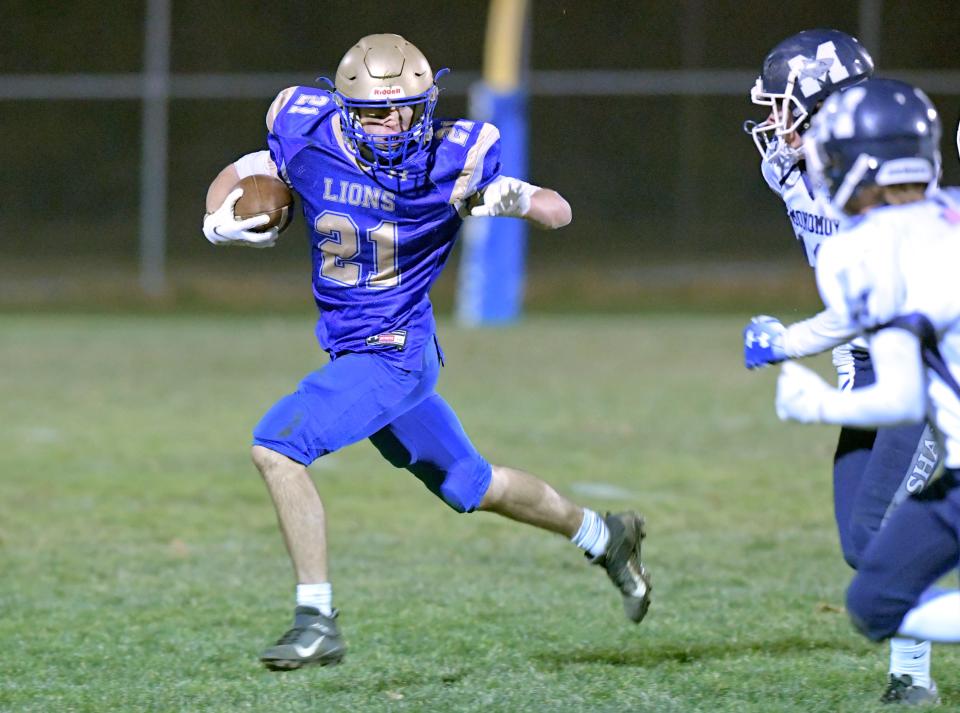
pixel 381 72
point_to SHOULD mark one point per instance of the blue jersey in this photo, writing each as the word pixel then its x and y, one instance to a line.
pixel 379 238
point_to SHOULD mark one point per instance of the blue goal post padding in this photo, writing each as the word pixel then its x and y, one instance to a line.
pixel 492 267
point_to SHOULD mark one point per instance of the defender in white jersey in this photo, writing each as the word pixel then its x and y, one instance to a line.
pixel 895 278
pixel 797 76
pixel 873 153
pixel 873 470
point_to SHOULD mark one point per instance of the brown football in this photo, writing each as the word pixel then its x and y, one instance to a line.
pixel 264 194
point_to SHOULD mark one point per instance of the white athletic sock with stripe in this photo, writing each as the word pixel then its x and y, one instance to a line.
pixel 913 657
pixel 593 535
pixel 319 596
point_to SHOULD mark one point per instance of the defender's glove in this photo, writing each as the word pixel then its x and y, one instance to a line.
pixel 763 342
pixel 800 394
pixel 506 196
pixel 222 227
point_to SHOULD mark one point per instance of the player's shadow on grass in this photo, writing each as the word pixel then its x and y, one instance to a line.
pixel 642 654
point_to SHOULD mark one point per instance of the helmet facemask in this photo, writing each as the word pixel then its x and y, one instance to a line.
pixel 787 115
pixel 393 149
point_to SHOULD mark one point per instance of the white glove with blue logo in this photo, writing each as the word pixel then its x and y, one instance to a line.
pixel 763 342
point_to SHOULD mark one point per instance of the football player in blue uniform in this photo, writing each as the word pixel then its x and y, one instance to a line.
pixel 874 151
pixel 384 188
pixel 873 470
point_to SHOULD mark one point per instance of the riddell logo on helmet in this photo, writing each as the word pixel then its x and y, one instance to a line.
pixel 386 92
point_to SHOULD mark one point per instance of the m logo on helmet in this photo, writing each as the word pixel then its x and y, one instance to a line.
pixel 392 92
pixel 842 124
pixel 811 73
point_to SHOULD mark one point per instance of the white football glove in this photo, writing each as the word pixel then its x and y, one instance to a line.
pixel 222 227
pixel 505 196
pixel 800 394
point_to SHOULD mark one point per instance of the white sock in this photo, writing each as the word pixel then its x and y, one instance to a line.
pixel 913 657
pixel 593 534
pixel 319 596
pixel 936 619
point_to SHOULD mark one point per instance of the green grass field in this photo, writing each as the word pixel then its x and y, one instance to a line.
pixel 141 568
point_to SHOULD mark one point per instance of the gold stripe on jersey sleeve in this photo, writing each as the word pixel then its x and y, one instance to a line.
pixel 467 180
pixel 274 111
pixel 338 135
pixel 337 130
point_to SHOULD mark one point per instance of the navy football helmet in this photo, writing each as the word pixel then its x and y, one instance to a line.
pixel 797 76
pixel 879 133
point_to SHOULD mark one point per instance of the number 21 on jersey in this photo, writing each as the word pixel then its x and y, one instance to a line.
pixel 340 247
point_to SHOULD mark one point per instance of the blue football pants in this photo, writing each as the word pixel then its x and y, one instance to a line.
pixel 363 395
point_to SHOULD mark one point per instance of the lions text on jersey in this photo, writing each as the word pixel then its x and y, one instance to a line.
pixel 379 238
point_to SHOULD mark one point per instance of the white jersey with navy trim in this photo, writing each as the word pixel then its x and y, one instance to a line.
pixel 901 261
pixel 810 224
pixel 788 179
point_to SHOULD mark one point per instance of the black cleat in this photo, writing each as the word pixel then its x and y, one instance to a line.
pixel 901 691
pixel 314 639
pixel 623 565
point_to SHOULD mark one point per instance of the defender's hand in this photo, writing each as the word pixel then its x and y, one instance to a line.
pixel 222 227
pixel 800 394
pixel 763 342
pixel 505 196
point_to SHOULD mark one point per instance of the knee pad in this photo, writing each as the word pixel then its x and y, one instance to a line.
pixel 461 484
pixel 869 613
pixel 465 483
pixel 282 430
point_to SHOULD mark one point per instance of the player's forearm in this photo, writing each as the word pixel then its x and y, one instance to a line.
pixel 256 162
pixel 872 407
pixel 897 396
pixel 549 210
pixel 221 186
pixel 821 332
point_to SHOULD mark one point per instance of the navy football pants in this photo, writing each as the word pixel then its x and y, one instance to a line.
pixel 919 544
pixel 873 471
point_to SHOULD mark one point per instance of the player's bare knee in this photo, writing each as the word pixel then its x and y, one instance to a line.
pixel 496 488
pixel 270 463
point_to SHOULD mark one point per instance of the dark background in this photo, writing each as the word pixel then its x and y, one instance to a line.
pixel 653 180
